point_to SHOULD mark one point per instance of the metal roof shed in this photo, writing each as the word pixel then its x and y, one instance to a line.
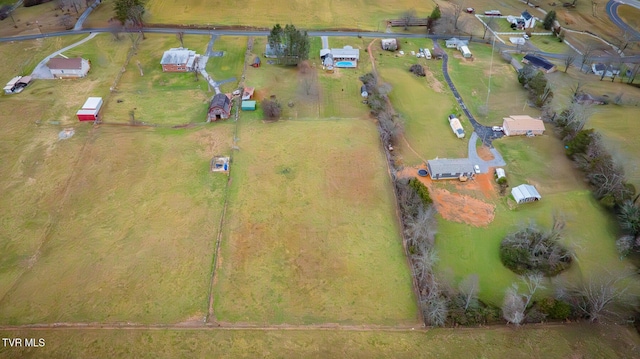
pixel 248 105
pixel 525 193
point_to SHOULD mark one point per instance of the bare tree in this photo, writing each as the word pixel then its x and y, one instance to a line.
pixel 457 12
pixel 488 24
pixel 600 297
pixel 533 283
pixel 422 227
pixel 634 72
pixel 578 115
pixel 587 55
pixel 623 40
pixel 180 36
pixel 513 306
pixel 569 59
pixel 114 29
pixel 408 17
pixel 469 288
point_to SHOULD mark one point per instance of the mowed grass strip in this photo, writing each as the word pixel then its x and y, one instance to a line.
pixel 134 239
pixel 311 234
pixel 559 341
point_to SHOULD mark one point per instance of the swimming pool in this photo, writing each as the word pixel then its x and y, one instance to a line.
pixel 345 64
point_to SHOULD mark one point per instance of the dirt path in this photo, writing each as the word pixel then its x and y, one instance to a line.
pixel 373 62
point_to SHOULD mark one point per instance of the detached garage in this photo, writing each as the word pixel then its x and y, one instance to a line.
pixel 90 109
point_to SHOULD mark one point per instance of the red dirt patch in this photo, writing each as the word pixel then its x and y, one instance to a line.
pixel 485 153
pixel 457 207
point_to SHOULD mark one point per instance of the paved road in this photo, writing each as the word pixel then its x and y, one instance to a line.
pixel 85 15
pixel 612 11
pixel 42 71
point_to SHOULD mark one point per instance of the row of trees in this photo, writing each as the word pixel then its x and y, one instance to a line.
pixel 291 45
pixel 535 82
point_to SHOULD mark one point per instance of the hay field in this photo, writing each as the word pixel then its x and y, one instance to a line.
pixel 132 230
pixel 307 14
pixel 311 234
pixel 528 341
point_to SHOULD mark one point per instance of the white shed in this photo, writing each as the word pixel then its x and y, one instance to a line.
pixel 465 51
pixel 500 173
pixel 525 193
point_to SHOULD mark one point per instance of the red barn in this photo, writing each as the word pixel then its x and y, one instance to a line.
pixel 90 109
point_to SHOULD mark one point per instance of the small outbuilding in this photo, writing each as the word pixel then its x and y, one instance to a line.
pixel 17 84
pixel 444 168
pixel 500 173
pixel 438 53
pixel 247 93
pixel 256 62
pixel 525 193
pixel 219 107
pixel 90 110
pixel 220 164
pixel 61 67
pixel 389 44
pixel 466 53
pixel 248 106
pixel 518 125
pixel 363 91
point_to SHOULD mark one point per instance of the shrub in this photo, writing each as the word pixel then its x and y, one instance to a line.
pixel 579 143
pixel 436 14
pixel 555 309
pixel 421 189
pixel 271 109
pixel 549 19
pixel 531 250
pixel 417 70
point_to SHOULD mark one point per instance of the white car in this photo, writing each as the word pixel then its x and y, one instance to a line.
pixel 497 128
pixel 525 36
pixel 476 168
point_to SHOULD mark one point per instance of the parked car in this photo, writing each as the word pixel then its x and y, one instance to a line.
pixel 476 169
pixel 470 10
pixel 497 128
pixel 525 36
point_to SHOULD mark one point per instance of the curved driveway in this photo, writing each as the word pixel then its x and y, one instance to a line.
pixel 612 11
pixel 42 71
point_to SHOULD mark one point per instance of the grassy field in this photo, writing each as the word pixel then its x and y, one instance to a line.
pixel 590 232
pixel 23 56
pixel 131 237
pixel 159 98
pixel 471 78
pixel 304 192
pixel 562 341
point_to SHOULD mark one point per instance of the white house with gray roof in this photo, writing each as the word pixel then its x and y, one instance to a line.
pixel 445 168
pixel 179 60
pixel 346 57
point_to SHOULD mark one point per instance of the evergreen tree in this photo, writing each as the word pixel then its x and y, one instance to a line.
pixel 435 14
pixel 549 20
pixel 132 10
pixel 290 45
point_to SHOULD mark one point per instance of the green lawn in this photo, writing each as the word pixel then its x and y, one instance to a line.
pixel 303 192
pixel 590 232
pixel 562 341
pixel 130 235
pixel 157 97
pixel 549 44
pixel 230 65
pixel 471 79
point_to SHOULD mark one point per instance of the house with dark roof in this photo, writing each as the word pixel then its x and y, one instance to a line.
pixel 529 20
pixel 61 67
pixel 539 62
pixel 179 60
pixel 455 168
pixel 219 108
